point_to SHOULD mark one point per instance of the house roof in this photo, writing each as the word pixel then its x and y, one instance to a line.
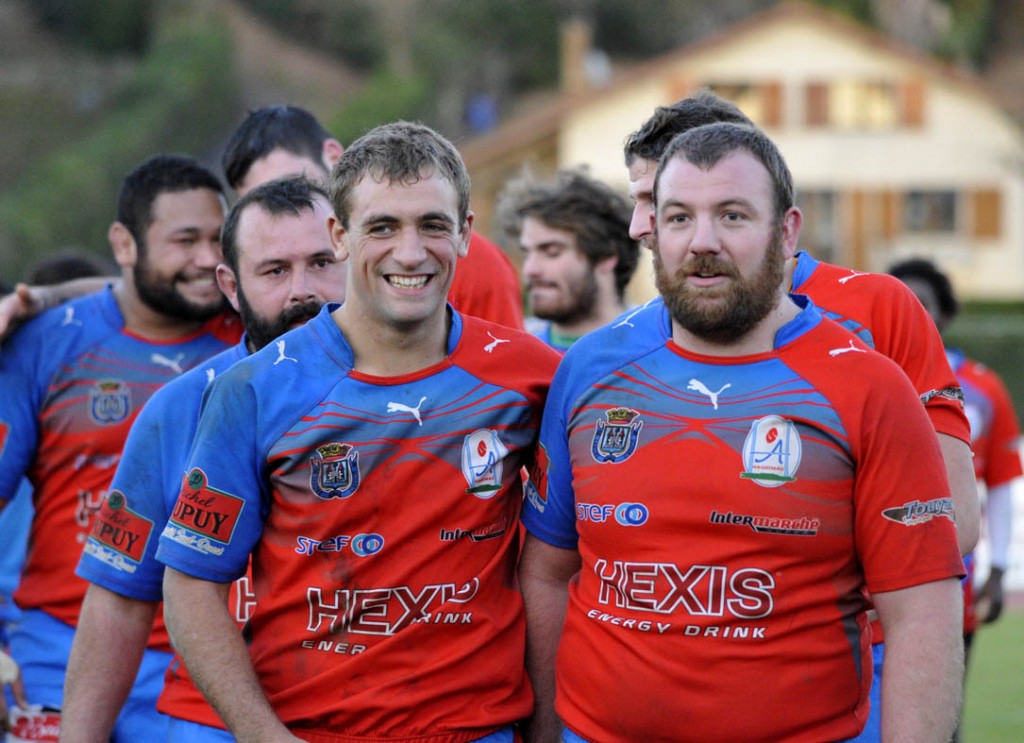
pixel 544 122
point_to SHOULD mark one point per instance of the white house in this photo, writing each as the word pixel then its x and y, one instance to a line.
pixel 893 152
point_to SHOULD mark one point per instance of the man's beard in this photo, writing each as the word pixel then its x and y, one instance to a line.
pixel 260 331
pixel 721 315
pixel 582 297
pixel 158 293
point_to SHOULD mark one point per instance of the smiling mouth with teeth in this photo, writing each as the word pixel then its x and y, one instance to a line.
pixel 408 282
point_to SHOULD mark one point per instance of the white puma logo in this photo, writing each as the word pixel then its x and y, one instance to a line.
pixel 491 346
pixel 631 315
pixel 280 354
pixel 210 374
pixel 853 275
pixel 836 351
pixel 698 386
pixel 69 317
pixel 173 364
pixel 398 407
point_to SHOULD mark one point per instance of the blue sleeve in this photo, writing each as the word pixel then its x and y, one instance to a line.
pixel 22 385
pixel 218 516
pixel 549 511
pixel 120 553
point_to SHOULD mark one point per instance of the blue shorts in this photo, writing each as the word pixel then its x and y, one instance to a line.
pixel 42 645
pixel 872 732
pixel 184 731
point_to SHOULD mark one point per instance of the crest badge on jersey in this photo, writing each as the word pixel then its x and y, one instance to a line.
pixel 616 437
pixel 771 452
pixel 535 488
pixel 334 471
pixel 483 455
pixel 110 402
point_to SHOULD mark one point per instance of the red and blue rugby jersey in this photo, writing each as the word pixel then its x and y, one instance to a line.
pixel 382 517
pixel 74 380
pixel 729 513
pixel 120 553
pixel 881 311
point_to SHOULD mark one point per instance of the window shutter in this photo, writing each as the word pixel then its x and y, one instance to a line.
pixel 771 101
pixel 817 104
pixel 987 211
pixel 913 104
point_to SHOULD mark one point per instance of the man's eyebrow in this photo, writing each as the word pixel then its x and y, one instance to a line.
pixel 380 219
pixel 436 217
pixel 733 201
pixel 187 229
pixel 552 244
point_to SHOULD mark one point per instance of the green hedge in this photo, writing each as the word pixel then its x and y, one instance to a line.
pixel 994 334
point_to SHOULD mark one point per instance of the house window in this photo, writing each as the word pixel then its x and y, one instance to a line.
pixel 930 211
pixel 859 105
pixel 761 102
pixel 820 232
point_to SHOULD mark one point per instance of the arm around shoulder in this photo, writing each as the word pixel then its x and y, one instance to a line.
pixel 25 302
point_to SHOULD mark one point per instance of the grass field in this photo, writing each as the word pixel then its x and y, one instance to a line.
pixel 994 708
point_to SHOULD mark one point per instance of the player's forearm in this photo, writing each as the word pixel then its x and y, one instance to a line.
pixel 215 654
pixel 25 302
pixel 57 293
pixel 545 586
pixel 924 661
pixel 109 642
pixel 999 519
pixel 960 469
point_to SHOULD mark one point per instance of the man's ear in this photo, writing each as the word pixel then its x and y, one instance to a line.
pixel 339 237
pixel 228 283
pixel 126 252
pixel 792 221
pixel 331 152
pixel 465 234
pixel 606 265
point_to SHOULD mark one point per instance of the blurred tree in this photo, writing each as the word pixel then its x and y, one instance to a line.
pixel 181 99
pixel 971 31
pixel 348 31
pixel 108 27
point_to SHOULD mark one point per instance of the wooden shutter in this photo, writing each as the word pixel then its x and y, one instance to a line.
pixel 987 213
pixel 892 214
pixel 816 102
pixel 912 110
pixel 771 104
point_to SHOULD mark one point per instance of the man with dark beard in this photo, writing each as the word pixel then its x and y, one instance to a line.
pixel 73 381
pixel 279 269
pixel 577 253
pixel 878 309
pixel 728 473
